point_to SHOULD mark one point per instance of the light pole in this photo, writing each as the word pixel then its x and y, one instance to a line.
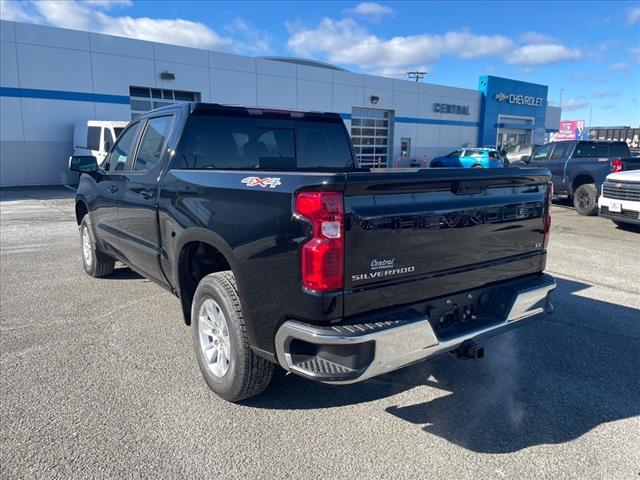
pixel 560 101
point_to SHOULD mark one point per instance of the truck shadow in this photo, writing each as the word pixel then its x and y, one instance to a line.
pixel 549 382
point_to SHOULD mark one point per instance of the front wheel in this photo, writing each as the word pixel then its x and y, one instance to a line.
pixel 95 263
pixel 477 165
pixel 229 366
pixel 585 199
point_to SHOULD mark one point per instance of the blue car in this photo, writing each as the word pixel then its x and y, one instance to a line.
pixel 469 158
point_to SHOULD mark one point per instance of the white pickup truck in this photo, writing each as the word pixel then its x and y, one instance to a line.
pixel 620 198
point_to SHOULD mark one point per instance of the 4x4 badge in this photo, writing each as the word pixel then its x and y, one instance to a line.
pixel 271 182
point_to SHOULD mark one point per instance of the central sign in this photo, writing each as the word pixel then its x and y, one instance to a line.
pixel 447 108
pixel 518 99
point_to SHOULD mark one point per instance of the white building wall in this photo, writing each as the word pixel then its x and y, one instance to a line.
pixel 36 134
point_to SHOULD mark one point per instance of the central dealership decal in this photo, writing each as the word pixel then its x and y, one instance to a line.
pixel 447 108
pixel 271 182
pixel 519 99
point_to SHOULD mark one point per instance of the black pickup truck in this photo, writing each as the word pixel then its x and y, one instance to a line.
pixel 579 167
pixel 282 251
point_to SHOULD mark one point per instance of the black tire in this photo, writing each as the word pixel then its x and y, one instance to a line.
pixel 477 165
pixel 99 264
pixel 437 165
pixel 585 199
pixel 247 374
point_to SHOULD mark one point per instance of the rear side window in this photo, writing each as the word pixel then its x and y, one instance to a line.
pixel 93 138
pixel 560 151
pixel 246 143
pixel 153 139
pixel 591 150
pixel 619 150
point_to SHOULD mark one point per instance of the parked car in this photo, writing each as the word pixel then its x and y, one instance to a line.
pixel 578 168
pixel 282 252
pixel 620 198
pixel 95 137
pixel 515 153
pixel 469 158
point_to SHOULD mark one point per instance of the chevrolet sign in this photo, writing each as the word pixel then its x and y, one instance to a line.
pixel 519 99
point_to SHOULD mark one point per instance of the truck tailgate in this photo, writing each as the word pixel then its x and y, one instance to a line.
pixel 411 236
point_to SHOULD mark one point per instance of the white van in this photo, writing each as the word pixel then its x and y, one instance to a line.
pixel 95 137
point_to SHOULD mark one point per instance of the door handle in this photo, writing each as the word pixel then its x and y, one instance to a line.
pixel 113 188
pixel 146 193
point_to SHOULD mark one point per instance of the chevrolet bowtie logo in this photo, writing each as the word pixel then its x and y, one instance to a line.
pixel 501 97
pixel 619 185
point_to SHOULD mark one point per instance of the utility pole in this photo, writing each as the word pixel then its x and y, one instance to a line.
pixel 418 75
pixel 560 101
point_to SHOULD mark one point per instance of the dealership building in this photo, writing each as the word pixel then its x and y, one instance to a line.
pixel 52 78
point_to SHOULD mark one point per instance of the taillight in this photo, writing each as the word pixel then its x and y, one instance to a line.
pixel 616 165
pixel 547 217
pixel 322 256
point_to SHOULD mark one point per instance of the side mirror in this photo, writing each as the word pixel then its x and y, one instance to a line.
pixel 526 158
pixel 107 146
pixel 83 164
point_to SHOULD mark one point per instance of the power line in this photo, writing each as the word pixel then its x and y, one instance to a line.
pixel 417 75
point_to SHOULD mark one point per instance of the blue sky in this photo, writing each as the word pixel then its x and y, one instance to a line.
pixel 591 50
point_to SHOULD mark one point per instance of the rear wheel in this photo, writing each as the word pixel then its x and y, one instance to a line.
pixel 585 199
pixel 95 263
pixel 229 366
pixel 437 165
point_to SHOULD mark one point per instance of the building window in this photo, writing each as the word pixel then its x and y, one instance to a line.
pixel 370 132
pixel 143 99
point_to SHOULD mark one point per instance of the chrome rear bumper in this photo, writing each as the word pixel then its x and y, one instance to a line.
pixel 392 341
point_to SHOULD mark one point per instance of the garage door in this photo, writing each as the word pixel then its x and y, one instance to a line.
pixel 370 132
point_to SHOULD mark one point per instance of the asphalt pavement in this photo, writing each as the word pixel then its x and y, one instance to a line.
pixel 98 379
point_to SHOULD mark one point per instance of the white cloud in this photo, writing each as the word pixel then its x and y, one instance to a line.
pixel 370 10
pixel 14 12
pixel 345 41
pixel 634 15
pixel 95 16
pixel 535 38
pixel 542 54
pixel 635 53
pixel 249 39
pixel 575 104
pixel 109 4
pixel 605 94
pixel 620 67
pixel 176 31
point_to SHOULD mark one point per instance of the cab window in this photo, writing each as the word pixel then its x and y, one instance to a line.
pixel 560 151
pixel 152 143
pixel 542 153
pixel 122 150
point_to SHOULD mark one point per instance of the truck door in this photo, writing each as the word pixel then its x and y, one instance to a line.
pixel 540 158
pixel 138 199
pixel 556 164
